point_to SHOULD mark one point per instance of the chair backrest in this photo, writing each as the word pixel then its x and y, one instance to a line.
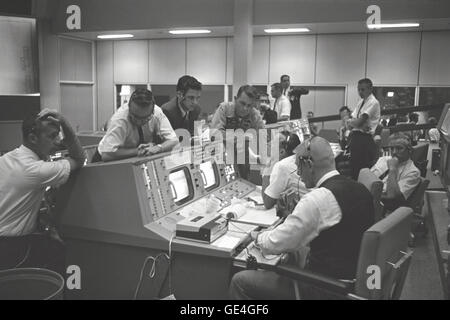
pixel 384 135
pixel 420 158
pixel 329 134
pixel 375 186
pixel 384 257
pixel 420 152
pixel 416 199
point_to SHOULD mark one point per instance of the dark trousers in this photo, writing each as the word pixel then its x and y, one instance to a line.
pixel 267 285
pixel 32 251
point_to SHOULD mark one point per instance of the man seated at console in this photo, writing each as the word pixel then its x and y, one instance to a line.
pixel 183 110
pixel 399 174
pixel 138 128
pixel 284 172
pixel 331 219
pixel 26 173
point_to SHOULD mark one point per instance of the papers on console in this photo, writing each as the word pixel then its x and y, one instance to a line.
pixel 248 212
pixel 227 241
pixel 262 217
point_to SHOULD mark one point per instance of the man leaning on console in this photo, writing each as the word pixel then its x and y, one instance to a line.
pixel 330 217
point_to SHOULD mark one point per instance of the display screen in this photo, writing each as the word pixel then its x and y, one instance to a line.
pixel 179 184
pixel 208 173
pixel 445 127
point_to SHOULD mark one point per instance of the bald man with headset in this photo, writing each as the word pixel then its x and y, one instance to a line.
pixel 331 219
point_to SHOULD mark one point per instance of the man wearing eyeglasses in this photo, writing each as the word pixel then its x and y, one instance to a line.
pixel 25 174
pixel 183 110
pixel 399 174
pixel 138 128
pixel 331 219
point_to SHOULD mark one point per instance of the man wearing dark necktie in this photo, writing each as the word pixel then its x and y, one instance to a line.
pixel 183 110
pixel 285 81
pixel 138 128
pixel 368 108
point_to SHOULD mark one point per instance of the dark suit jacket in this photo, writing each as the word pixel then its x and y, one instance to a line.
pixel 173 113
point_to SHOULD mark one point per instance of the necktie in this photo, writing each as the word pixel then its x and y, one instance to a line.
pixel 384 174
pixel 360 108
pixel 141 135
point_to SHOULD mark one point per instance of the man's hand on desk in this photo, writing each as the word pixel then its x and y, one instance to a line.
pixel 143 149
pixel 148 149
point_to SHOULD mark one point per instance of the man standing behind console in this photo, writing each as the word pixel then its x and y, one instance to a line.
pixel 368 107
pixel 240 114
pixel 184 109
pixel 281 105
pixel 138 128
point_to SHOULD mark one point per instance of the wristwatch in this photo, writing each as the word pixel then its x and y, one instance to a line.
pixel 160 147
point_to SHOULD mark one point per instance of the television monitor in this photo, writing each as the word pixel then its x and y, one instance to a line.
pixel 444 122
pixel 209 174
pixel 444 128
pixel 181 186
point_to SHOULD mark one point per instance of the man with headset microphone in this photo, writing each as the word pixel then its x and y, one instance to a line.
pixel 331 219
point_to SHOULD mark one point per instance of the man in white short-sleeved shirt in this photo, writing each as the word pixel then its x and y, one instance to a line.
pixel 281 105
pixel 399 174
pixel 368 108
pixel 284 172
pixel 138 128
pixel 25 174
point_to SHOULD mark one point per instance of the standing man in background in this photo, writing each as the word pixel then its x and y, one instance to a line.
pixel 281 105
pixel 293 95
pixel 368 108
pixel 240 114
pixel 184 109
pixel 285 81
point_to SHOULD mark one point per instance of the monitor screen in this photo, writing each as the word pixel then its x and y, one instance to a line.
pixel 179 183
pixel 208 172
pixel 445 126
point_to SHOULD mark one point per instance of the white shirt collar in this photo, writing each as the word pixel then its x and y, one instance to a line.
pixel 370 97
pixel 28 151
pixel 183 112
pixel 326 177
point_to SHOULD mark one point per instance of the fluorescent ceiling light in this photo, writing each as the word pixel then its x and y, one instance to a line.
pixel 286 30
pixel 189 31
pixel 115 36
pixel 393 25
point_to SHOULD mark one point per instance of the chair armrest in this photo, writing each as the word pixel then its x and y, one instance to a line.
pixel 311 278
